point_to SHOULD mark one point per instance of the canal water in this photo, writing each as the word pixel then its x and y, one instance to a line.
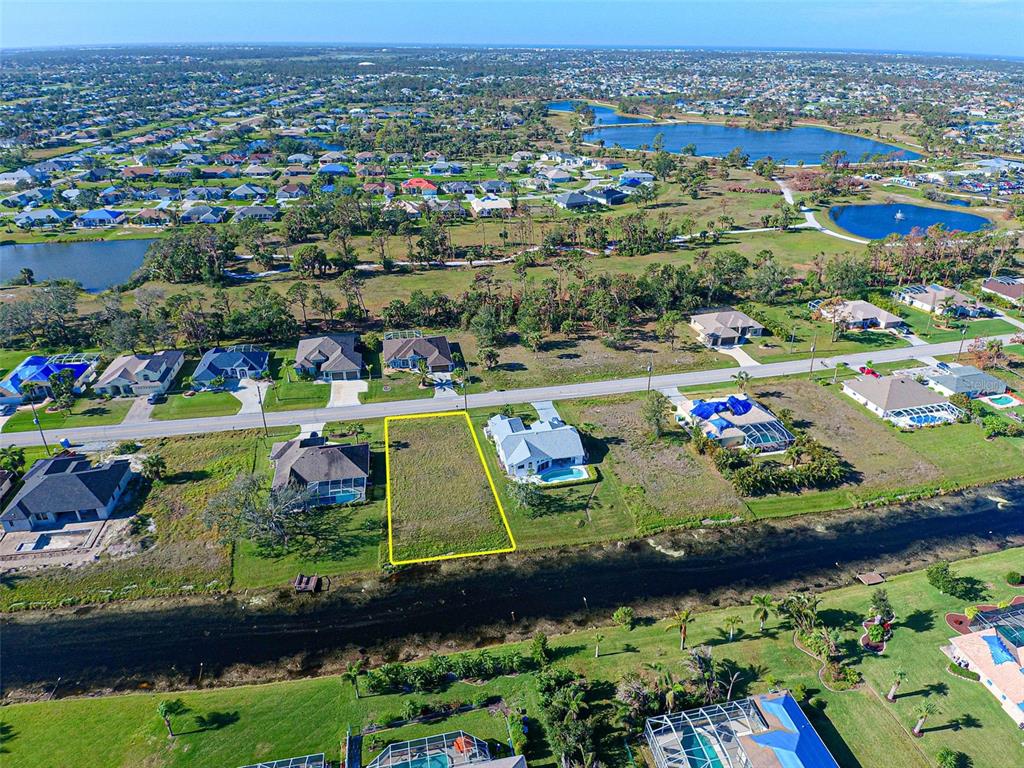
pixel 883 219
pixel 97 265
pixel 486 600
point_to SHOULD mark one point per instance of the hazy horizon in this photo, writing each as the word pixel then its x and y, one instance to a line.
pixel 983 27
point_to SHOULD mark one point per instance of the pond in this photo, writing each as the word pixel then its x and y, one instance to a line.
pixel 883 219
pixel 488 599
pixel 791 146
pixel 96 264
pixel 602 115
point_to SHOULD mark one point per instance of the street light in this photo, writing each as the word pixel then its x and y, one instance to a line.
pixel 263 413
pixel 650 372
pixel 35 419
pixel 963 336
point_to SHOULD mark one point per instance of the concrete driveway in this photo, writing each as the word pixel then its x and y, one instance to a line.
pixel 139 413
pixel 346 392
pixel 249 392
pixel 738 354
pixel 443 386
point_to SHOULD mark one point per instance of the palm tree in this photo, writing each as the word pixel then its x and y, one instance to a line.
pixel 680 620
pixel 742 379
pixel 167 709
pixel 926 710
pixel 352 673
pixel 154 466
pixel 898 678
pixel 731 623
pixel 763 605
pixel 423 371
pixel 598 638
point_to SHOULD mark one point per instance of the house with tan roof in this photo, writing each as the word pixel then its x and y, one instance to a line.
pixel 857 314
pixel 1009 288
pixel 331 357
pixel 937 299
pixel 403 350
pixel 902 400
pixel 725 328
pixel 136 375
pixel 993 648
pixel 333 474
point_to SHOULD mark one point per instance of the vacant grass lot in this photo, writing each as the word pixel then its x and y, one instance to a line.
pixel 933 330
pixel 241 725
pixel 392 385
pixel 441 503
pixel 88 411
pixel 289 393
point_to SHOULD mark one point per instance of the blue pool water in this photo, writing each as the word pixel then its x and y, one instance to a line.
pixel 791 146
pixel 602 115
pixel 436 760
pixel 1002 400
pixel 878 221
pixel 1000 654
pixel 926 419
pixel 563 474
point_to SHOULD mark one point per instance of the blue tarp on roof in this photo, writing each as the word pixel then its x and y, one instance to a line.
pixel 799 745
pixel 37 368
pixel 705 410
pixel 739 406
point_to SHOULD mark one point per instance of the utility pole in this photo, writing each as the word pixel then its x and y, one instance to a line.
pixel 263 413
pixel 814 348
pixel 650 372
pixel 35 420
pixel 963 336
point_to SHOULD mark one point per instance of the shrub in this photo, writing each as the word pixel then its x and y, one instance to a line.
pixel 876 633
pixel 624 617
pixel 959 671
pixel 540 651
pixel 1014 578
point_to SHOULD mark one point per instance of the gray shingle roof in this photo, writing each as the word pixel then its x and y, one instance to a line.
pixel 334 353
pixel 65 483
pixel 313 460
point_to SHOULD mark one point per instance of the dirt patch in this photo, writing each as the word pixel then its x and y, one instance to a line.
pixel 664 483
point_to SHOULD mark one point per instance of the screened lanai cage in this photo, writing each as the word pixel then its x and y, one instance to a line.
pixel 704 738
pixel 925 415
pixel 445 750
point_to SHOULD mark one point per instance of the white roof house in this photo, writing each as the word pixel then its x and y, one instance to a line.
pixel 490 206
pixel 859 314
pixel 544 445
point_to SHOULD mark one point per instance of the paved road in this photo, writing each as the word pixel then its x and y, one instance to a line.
pixel 481 400
pixel 811 220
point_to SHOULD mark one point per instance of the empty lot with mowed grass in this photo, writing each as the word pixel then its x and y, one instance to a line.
pixel 441 500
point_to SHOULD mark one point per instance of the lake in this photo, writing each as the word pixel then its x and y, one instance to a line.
pixel 602 115
pixel 488 599
pixel 878 221
pixel 96 264
pixel 791 146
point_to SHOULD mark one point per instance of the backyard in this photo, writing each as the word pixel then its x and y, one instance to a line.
pixel 428 458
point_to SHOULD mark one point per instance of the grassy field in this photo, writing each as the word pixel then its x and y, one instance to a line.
pixel 441 503
pixel 289 393
pixel 88 411
pixel 232 726
pixel 932 330
pixel 392 385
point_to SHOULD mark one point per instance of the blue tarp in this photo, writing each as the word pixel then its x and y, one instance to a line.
pixel 37 368
pixel 738 406
pixel 705 410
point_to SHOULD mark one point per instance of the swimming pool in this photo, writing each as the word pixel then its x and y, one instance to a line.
pixel 926 419
pixel 436 760
pixel 700 753
pixel 563 475
pixel 1003 400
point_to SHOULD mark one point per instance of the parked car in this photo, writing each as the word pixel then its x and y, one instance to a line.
pixel 7 410
pixel 156 397
pixel 869 372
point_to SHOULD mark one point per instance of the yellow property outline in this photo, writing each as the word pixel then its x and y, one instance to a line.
pixel 487 473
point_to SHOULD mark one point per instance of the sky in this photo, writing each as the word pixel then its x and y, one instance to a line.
pixel 978 27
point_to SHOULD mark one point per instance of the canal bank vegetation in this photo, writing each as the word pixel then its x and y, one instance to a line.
pixel 612 665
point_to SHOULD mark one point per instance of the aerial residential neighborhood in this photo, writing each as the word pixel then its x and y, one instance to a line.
pixel 585 385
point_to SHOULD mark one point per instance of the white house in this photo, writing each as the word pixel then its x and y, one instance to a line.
pixel 901 400
pixel 546 444
pixel 140 374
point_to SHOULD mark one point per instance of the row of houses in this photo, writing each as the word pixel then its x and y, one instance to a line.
pixel 100 218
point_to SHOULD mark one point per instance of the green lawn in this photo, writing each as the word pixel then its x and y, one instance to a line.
pixel 88 411
pixel 199 405
pixel 441 503
pixel 392 385
pixel 929 327
pixel 289 393
pixel 244 724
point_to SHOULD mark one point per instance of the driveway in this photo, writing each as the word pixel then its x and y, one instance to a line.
pixel 249 392
pixel 139 413
pixel 738 354
pixel 443 386
pixel 346 392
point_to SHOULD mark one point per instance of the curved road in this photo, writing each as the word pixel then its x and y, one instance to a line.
pixel 153 429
